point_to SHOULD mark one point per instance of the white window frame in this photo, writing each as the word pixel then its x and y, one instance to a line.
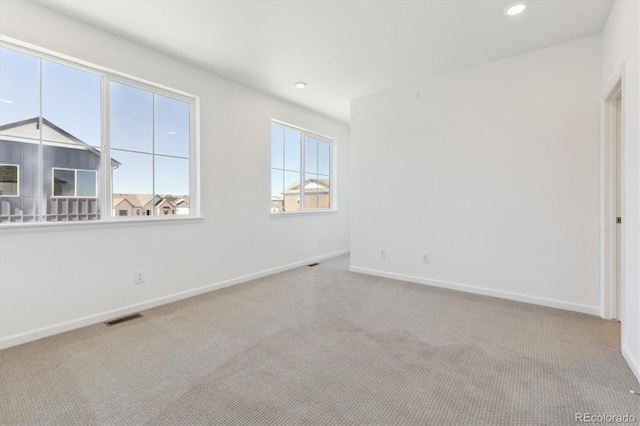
pixel 104 194
pixel 17 166
pixel 75 180
pixel 332 170
pixel 193 145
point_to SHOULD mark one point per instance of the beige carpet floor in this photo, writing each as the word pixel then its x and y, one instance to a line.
pixel 322 345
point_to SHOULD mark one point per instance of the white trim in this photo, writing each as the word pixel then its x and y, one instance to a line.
pixel 105 203
pixel 150 220
pixel 38 333
pixel 17 166
pixel 607 199
pixel 194 159
pixel 148 153
pixel 633 363
pixel 518 297
pixel 304 213
pixel 302 129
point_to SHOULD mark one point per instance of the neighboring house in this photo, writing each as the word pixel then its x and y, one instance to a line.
pixel 277 204
pixel 317 196
pixel 148 204
pixel 70 175
pixel 133 204
pixel 181 203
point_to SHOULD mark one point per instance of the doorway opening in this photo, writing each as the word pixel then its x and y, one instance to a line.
pixel 612 218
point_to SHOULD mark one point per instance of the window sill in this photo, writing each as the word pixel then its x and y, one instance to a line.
pixel 307 213
pixel 99 223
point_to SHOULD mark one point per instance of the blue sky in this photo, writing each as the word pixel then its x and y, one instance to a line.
pixel 71 101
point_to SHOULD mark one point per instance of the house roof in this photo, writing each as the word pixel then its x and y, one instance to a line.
pixel 136 200
pixel 310 185
pixel 177 200
pixel 142 200
pixel 66 136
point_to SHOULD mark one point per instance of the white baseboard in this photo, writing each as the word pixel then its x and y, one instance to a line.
pixel 633 363
pixel 519 297
pixel 20 338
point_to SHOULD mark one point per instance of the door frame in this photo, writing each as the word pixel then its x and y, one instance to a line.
pixel 608 288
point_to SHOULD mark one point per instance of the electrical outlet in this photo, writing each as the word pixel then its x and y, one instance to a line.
pixel 139 277
pixel 383 253
pixel 425 258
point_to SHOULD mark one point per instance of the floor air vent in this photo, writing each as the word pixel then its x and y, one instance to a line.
pixel 123 319
pixel 313 264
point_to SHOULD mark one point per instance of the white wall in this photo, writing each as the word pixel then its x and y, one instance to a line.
pixel 621 44
pixel 494 171
pixel 58 278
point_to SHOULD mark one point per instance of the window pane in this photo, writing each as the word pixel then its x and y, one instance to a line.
pixel 277 147
pixel 277 182
pixel 8 180
pixel 310 155
pixel 311 191
pixel 19 88
pixel 23 155
pixel 64 183
pixel 71 104
pixel 292 150
pixel 172 185
pixel 324 192
pixel 277 190
pixel 132 183
pixel 171 127
pixel 324 157
pixel 291 192
pixel 131 118
pixel 172 176
pixel 86 183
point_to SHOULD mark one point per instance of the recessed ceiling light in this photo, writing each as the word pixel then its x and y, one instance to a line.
pixel 300 84
pixel 516 8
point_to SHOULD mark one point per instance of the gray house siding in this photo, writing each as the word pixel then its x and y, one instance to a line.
pixel 23 207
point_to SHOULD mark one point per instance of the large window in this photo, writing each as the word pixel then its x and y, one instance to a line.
pixel 77 142
pixel 300 170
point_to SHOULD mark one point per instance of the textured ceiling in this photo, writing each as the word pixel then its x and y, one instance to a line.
pixel 343 49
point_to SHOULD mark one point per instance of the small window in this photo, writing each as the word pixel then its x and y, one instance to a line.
pixel 74 183
pixel 123 213
pixel 8 180
pixel 301 172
